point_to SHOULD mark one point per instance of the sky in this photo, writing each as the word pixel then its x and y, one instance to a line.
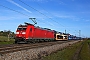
pixel 60 15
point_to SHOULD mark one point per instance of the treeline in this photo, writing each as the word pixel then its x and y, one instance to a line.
pixel 88 38
pixel 7 33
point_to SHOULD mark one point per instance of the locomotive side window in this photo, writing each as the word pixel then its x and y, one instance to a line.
pixel 31 29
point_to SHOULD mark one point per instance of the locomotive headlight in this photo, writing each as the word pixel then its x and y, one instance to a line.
pixel 23 32
pixel 17 32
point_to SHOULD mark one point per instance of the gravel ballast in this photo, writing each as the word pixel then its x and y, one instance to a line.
pixel 31 54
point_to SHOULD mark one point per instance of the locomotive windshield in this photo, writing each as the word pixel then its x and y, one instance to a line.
pixel 21 28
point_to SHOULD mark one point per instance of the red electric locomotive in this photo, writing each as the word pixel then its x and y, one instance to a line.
pixel 30 33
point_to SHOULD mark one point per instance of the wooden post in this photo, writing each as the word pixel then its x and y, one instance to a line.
pixel 8 37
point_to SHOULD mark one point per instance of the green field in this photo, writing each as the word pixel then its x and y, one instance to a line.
pixel 85 52
pixel 5 40
pixel 72 52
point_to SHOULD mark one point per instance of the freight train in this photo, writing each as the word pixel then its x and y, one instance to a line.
pixel 29 33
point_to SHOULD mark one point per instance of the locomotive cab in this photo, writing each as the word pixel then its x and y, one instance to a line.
pixel 24 33
pixel 20 33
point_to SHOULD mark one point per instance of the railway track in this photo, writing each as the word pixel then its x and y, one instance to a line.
pixel 18 47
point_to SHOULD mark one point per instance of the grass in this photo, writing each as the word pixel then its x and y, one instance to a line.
pixel 65 54
pixel 85 52
pixel 8 42
pixel 68 53
pixel 4 40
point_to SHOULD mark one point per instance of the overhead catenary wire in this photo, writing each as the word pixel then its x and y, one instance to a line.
pixel 26 9
pixel 48 12
pixel 14 10
pixel 39 12
pixel 23 14
pixel 19 12
pixel 18 5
